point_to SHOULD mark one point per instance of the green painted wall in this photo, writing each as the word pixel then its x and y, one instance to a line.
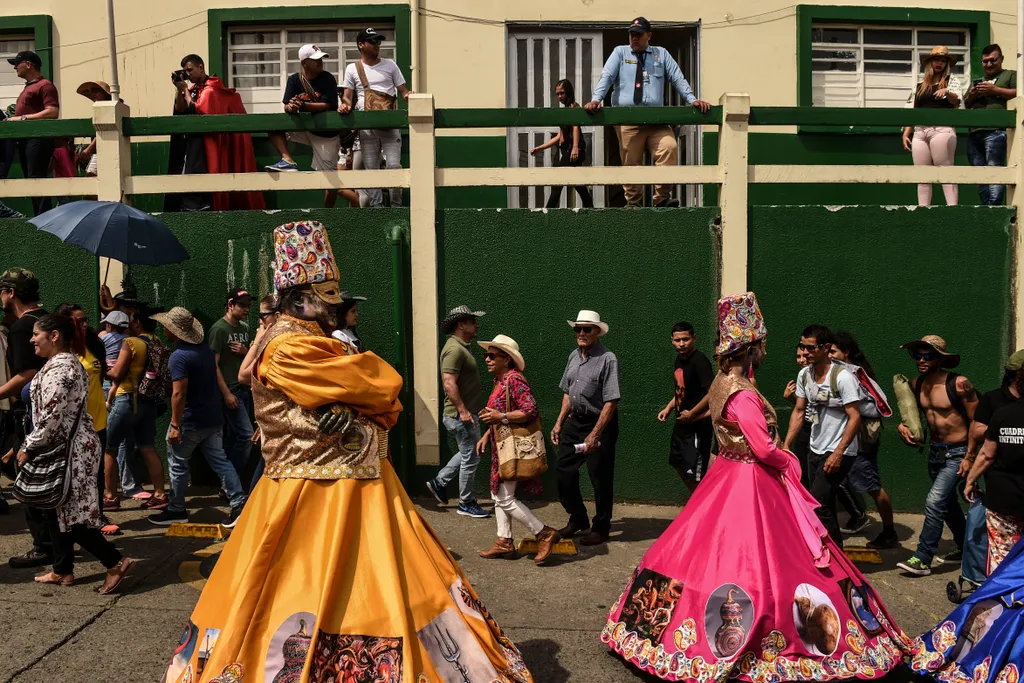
pixel 65 272
pixel 888 276
pixel 642 270
pixel 834 149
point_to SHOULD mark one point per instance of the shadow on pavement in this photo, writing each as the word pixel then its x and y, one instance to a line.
pixel 541 657
pixel 631 529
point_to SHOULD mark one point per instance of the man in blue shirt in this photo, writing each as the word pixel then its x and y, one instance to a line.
pixel 197 418
pixel 638 72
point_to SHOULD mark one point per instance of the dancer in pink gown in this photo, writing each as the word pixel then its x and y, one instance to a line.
pixel 746 582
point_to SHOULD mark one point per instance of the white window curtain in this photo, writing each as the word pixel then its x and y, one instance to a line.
pixel 10 84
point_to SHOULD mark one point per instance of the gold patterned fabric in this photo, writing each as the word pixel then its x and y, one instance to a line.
pixel 731 444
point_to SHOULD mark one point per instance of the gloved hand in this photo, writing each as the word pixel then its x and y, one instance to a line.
pixel 335 418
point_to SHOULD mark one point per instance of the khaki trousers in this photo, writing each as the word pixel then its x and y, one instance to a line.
pixel 660 141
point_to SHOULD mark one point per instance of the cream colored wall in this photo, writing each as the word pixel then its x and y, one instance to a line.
pixel 745 46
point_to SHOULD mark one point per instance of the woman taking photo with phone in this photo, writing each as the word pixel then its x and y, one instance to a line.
pixel 572 147
pixel 935 145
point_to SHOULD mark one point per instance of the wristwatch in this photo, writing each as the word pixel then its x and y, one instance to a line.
pixel 504 418
pixel 24 118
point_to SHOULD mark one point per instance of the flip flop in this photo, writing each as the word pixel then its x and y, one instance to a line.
pixel 125 567
pixel 110 530
pixel 56 579
pixel 142 495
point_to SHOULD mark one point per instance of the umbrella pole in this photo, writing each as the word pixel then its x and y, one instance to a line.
pixel 106 273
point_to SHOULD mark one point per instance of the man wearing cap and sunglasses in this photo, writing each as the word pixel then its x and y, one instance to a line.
pixel 637 72
pixel 587 429
pixel 949 402
pixel 39 100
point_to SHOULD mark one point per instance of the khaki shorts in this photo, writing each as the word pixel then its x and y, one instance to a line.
pixel 325 150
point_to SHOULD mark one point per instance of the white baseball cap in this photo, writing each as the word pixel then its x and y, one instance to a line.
pixel 311 52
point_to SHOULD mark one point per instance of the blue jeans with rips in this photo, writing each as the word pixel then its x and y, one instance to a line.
pixel 941 505
pixel 988 148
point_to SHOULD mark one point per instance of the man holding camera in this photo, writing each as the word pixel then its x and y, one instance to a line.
pixel 200 93
pixel 987 146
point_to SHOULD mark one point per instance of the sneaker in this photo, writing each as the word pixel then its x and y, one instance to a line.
pixel 915 566
pixel 283 166
pixel 955 557
pixel 169 517
pixel 473 510
pixel 437 491
pixel 232 519
pixel 856 525
pixel 885 540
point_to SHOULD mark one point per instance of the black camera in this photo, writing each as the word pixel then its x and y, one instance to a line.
pixel 178 76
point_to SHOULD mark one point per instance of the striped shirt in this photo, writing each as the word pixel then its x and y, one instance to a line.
pixel 590 382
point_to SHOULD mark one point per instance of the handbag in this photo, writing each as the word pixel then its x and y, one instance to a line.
pixel 521 451
pixel 44 482
pixel 374 100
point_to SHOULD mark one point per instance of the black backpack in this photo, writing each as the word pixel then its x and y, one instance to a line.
pixel 954 398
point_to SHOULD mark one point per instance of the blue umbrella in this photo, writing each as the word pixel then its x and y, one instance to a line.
pixel 113 230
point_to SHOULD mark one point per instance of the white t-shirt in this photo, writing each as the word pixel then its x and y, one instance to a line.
pixel 384 77
pixel 828 413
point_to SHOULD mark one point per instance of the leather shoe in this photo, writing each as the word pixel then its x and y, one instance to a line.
pixel 503 548
pixel 571 529
pixel 33 558
pixel 546 540
pixel 594 538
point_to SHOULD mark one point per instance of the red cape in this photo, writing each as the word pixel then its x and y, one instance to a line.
pixel 228 152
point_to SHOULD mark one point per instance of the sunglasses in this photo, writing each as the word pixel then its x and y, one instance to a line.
pixel 924 355
pixel 809 347
pixel 584 330
pixel 491 355
pixel 991 61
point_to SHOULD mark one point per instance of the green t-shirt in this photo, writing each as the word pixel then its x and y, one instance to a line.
pixel 1007 78
pixel 458 360
pixel 221 334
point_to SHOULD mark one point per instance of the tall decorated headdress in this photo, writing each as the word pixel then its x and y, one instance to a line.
pixel 303 257
pixel 739 323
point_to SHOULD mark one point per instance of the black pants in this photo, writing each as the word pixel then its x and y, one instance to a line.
pixel 36 155
pixel 91 540
pixel 825 489
pixel 600 466
pixel 555 198
pixel 801 449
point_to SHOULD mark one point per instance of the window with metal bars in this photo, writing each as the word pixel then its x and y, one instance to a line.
pixel 10 84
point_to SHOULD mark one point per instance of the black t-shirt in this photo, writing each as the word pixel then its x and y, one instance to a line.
pixel 1004 479
pixel 990 403
pixel 325 90
pixel 21 355
pixel 693 377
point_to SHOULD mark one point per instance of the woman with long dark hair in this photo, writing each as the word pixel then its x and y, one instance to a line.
pixel 348 318
pixel 572 147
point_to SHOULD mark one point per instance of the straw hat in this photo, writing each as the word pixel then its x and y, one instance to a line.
pixel 933 342
pixel 508 345
pixel 589 319
pixel 181 324
pixel 89 86
pixel 456 315
pixel 940 51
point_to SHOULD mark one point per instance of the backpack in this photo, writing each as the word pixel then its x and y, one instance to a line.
pixel 156 382
pixel 951 393
pixel 872 404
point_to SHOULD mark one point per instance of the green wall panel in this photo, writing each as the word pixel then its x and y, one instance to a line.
pixel 889 276
pixel 642 270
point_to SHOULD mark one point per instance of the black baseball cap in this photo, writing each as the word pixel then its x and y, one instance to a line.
pixel 26 56
pixel 369 35
pixel 640 25
pixel 240 296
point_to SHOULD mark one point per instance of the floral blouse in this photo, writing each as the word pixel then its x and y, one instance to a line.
pixel 521 398
pixel 59 390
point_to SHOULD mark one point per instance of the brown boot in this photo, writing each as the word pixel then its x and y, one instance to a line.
pixel 502 548
pixel 546 540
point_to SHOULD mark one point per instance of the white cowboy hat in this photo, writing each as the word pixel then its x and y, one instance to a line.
pixel 592 318
pixel 509 346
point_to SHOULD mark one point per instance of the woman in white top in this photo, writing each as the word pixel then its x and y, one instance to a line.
pixel 348 318
pixel 935 145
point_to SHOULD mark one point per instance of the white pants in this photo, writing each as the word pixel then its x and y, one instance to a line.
pixel 372 143
pixel 507 507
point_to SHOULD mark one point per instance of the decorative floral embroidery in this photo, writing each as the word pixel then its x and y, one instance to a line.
pixel 772 644
pixel 981 671
pixel 1003 533
pixel 686 634
pixel 1009 674
pixel 854 638
pixel 944 637
pixel 739 323
pixel 232 673
pixel 522 399
pixel 302 255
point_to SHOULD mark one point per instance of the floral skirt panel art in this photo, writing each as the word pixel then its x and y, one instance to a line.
pixel 754 606
pixel 340 582
pixel 982 641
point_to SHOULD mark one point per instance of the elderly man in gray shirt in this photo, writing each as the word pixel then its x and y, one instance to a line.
pixel 587 429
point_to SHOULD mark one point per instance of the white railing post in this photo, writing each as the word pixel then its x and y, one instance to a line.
pixel 113 166
pixel 423 253
pixel 732 195
pixel 1015 198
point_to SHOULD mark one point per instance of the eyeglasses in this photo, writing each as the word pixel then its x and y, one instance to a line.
pixel 584 330
pixel 490 355
pixel 809 347
pixel 266 314
pixel 924 355
pixel 994 60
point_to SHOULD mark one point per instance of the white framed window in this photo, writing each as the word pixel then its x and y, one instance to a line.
pixel 10 85
pixel 260 59
pixel 877 66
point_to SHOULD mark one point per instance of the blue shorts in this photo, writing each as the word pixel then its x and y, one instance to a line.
pixel 865 475
pixel 125 425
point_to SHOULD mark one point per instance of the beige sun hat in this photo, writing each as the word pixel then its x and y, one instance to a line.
pixel 940 51
pixel 89 86
pixel 934 342
pixel 591 319
pixel 181 324
pixel 509 345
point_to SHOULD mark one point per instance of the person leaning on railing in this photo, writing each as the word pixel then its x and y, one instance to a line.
pixel 987 146
pixel 638 72
pixel 39 100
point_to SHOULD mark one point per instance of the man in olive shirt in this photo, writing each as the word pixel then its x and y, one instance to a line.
pixel 462 401
pixel 987 146
pixel 229 339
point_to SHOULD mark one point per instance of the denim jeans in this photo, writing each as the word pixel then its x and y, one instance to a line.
pixel 211 440
pixel 465 461
pixel 941 505
pixel 371 144
pixel 988 148
pixel 238 429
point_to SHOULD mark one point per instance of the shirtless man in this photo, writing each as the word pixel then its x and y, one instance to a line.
pixel 948 401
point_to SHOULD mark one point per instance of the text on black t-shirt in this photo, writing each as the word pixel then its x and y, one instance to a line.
pixel 990 403
pixel 1004 479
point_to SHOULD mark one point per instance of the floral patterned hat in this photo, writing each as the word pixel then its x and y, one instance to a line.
pixel 739 323
pixel 303 256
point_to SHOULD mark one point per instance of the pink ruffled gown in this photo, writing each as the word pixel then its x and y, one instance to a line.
pixel 746 583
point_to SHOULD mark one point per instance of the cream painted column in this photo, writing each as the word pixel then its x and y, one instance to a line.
pixel 732 195
pixel 423 252
pixel 1015 198
pixel 113 165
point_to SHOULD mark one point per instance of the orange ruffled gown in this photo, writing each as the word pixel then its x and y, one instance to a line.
pixel 331 574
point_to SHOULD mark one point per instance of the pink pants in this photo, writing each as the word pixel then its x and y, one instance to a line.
pixel 934 146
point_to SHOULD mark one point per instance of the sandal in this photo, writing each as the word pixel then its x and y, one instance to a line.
pixel 142 495
pixel 56 579
pixel 111 504
pixel 116 575
pixel 157 503
pixel 110 530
